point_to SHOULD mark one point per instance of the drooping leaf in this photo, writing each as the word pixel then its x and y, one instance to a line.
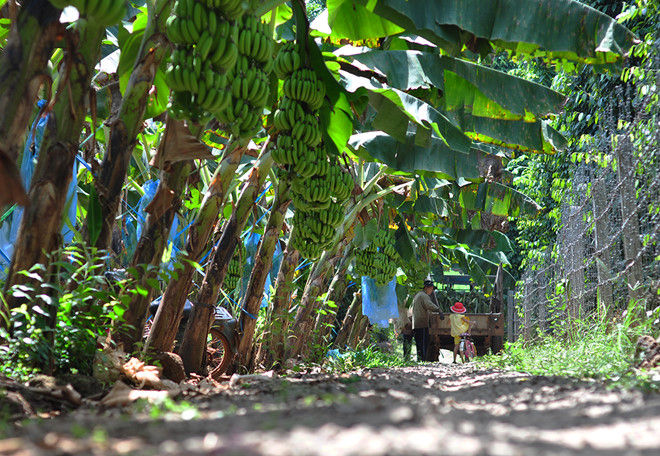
pixel 437 158
pixel 497 199
pixel 480 90
pixel 396 108
pixel 515 135
pixel 349 19
pixel 94 216
pixel 558 29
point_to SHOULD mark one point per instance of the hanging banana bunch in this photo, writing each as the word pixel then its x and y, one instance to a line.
pixel 416 272
pixel 248 81
pixel 379 260
pixel 235 269
pixel 103 12
pixel 319 185
pixel 205 35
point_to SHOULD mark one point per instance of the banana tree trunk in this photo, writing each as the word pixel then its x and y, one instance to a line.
pixel 353 312
pixel 194 338
pixel 29 47
pixel 126 125
pixel 262 264
pixel 300 340
pixel 359 325
pixel 39 232
pixel 272 348
pixel 150 248
pixel 168 317
pixel 336 291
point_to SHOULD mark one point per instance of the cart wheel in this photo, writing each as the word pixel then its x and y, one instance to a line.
pixel 218 353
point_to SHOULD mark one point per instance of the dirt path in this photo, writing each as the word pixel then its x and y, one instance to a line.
pixel 429 410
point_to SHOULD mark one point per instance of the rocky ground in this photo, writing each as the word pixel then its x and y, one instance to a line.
pixel 436 409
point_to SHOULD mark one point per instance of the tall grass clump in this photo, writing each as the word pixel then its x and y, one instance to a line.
pixel 591 348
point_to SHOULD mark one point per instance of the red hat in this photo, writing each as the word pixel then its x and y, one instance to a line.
pixel 458 308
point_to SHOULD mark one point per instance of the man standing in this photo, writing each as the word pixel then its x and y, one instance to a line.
pixel 422 305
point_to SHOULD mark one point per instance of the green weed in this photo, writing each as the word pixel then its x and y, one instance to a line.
pixel 603 350
pixel 369 357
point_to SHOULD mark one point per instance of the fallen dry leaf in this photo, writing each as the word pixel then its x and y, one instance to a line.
pixel 142 374
pixel 121 394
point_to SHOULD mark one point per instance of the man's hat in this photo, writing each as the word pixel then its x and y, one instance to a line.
pixel 428 283
pixel 458 308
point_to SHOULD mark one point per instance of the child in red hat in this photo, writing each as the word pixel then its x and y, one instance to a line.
pixel 459 324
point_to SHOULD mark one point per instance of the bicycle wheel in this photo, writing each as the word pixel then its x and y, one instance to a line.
pixel 470 352
pixel 218 353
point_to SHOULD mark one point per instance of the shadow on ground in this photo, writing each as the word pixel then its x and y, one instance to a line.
pixel 425 410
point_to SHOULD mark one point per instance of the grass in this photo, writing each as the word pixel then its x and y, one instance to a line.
pixel 599 350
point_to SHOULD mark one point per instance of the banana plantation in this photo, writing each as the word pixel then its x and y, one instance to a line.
pixel 204 196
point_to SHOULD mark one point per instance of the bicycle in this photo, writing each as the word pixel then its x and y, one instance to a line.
pixel 466 348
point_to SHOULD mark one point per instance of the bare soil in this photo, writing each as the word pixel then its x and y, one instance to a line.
pixel 435 409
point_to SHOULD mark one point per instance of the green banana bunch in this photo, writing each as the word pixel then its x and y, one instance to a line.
pixel 232 9
pixel 308 249
pixel 103 12
pixel 254 40
pixel 205 51
pixel 304 86
pixel 249 81
pixel 235 269
pixel 379 260
pixel 287 60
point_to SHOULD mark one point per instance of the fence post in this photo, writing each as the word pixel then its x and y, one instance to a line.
pixel 631 242
pixel 603 251
pixel 510 313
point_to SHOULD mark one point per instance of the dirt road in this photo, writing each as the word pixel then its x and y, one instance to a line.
pixel 427 410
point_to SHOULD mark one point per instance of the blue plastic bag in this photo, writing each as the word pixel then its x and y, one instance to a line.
pixel 251 247
pixel 139 214
pixel 379 304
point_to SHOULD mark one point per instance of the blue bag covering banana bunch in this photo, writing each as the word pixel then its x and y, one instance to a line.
pixel 248 81
pixel 235 269
pixel 103 12
pixel 205 34
pixel 319 185
pixel 379 260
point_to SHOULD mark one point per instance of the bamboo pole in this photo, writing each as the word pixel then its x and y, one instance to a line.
pixel 353 312
pixel 335 294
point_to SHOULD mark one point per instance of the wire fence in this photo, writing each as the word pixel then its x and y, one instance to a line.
pixel 606 254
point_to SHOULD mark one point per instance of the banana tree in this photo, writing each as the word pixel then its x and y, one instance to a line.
pixel 126 124
pixel 149 252
pixel 199 322
pixel 167 319
pixel 42 220
pixel 30 44
pixel 272 347
pixel 263 262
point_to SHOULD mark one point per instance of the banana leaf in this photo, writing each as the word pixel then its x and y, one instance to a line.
pixel 479 90
pixel 557 29
pixel 437 159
